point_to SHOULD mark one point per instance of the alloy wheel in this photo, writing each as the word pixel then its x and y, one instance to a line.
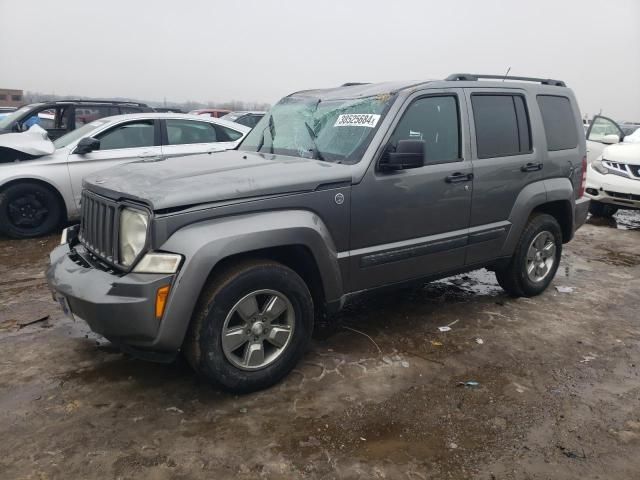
pixel 541 256
pixel 258 329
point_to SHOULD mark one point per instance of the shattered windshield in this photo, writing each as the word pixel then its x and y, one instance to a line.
pixel 7 121
pixel 330 130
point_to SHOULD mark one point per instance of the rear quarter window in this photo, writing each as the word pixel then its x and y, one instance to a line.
pixel 560 126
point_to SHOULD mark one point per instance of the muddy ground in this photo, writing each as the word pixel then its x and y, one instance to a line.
pixel 558 392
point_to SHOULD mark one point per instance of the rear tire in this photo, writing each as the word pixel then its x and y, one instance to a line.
pixel 602 210
pixel 535 260
pixel 29 209
pixel 252 324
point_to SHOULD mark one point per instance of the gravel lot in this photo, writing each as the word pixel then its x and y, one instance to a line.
pixel 558 391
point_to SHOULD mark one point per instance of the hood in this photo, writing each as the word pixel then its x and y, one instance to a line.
pixel 220 176
pixel 32 143
pixel 623 153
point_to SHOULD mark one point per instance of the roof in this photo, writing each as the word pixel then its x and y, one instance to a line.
pixel 204 110
pixel 352 90
pixel 359 90
pixel 177 116
pixel 245 112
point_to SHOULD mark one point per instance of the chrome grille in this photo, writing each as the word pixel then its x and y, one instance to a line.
pixel 98 226
pixel 623 169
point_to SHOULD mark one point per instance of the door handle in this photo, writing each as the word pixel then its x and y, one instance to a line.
pixel 459 177
pixel 531 167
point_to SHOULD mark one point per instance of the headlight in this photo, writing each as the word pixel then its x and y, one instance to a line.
pixel 64 237
pixel 599 167
pixel 156 262
pixel 133 234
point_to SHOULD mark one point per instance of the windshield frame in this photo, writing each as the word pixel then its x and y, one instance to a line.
pixel 266 123
pixel 79 133
pixel 12 118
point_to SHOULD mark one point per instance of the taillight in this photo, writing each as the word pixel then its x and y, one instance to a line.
pixel 583 182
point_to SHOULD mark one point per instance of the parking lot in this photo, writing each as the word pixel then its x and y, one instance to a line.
pixel 381 397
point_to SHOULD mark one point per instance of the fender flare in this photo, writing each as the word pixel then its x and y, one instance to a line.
pixel 205 244
pixel 531 197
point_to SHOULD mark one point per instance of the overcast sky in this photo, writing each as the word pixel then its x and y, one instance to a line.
pixel 260 50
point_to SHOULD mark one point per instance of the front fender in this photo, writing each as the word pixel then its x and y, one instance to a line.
pixel 205 244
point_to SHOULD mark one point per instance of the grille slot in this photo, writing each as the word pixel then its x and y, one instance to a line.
pixel 98 226
pixel 626 169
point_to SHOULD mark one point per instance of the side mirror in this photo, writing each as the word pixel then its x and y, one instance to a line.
pixel 87 145
pixel 408 154
pixel 610 139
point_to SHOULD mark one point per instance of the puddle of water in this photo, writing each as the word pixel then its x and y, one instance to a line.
pixel 622 220
pixel 618 259
pixel 478 282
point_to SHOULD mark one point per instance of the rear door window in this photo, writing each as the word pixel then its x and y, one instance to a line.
pixel 125 110
pixel 88 113
pixel 502 125
pixel 184 132
pixel 559 122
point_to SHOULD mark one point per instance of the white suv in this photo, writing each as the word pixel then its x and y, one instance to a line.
pixel 613 176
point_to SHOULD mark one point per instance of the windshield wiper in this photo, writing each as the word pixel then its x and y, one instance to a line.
pixel 313 137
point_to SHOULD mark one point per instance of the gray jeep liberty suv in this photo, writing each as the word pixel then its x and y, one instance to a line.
pixel 232 256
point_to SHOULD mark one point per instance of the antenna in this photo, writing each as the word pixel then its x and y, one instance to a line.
pixel 505 75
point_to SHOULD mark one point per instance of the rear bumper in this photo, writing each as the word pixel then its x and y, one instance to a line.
pixel 581 212
pixel 120 308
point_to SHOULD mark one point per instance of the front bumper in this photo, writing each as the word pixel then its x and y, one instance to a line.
pixel 120 308
pixel 613 189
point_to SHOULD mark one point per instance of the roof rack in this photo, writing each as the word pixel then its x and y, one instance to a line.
pixel 353 84
pixel 472 77
pixel 117 102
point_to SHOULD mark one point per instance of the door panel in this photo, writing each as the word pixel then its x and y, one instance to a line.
pixel 600 126
pixel 141 135
pixel 194 148
pixel 412 223
pixel 504 162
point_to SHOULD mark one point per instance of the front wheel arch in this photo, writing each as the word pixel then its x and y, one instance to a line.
pixel 61 204
pixel 44 183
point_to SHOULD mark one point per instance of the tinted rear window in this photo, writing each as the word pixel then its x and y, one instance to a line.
pixel 559 122
pixel 502 125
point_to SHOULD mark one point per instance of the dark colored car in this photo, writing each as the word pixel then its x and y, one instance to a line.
pixel 63 116
pixel 234 257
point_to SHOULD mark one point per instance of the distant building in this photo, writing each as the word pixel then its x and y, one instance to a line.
pixel 10 98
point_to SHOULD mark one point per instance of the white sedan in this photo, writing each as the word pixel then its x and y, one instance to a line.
pixel 38 193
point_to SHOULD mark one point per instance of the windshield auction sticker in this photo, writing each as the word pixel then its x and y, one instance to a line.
pixel 357 120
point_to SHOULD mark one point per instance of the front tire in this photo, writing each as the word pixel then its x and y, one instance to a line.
pixel 251 326
pixel 535 260
pixel 602 210
pixel 28 210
